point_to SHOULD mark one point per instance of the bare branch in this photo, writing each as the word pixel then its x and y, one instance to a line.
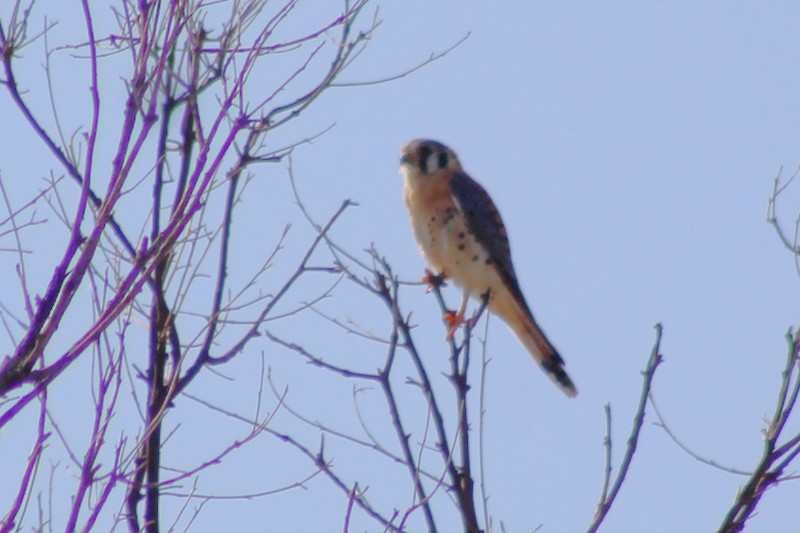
pixel 769 471
pixel 608 497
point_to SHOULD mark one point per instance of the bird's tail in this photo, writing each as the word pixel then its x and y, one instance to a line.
pixel 533 338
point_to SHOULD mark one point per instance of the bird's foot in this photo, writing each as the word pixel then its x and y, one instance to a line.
pixel 456 320
pixel 453 320
pixel 434 281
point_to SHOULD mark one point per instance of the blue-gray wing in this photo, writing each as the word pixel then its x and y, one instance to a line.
pixel 484 222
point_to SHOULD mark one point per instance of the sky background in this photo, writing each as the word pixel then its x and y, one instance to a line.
pixel 631 149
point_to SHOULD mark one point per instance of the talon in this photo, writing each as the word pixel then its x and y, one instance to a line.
pixel 454 320
pixel 433 280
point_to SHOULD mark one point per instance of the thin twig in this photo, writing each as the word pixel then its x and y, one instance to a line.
pixel 767 473
pixel 605 503
pixel 710 462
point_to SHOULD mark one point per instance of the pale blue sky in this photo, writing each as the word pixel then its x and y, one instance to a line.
pixel 631 149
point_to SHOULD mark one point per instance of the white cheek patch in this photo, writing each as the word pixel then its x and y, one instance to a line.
pixel 432 162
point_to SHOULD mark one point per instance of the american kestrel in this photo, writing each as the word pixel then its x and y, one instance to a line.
pixel 462 236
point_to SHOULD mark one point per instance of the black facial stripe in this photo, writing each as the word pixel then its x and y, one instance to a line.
pixel 424 153
pixel 442 159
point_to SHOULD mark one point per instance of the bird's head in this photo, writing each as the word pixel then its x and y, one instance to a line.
pixel 423 156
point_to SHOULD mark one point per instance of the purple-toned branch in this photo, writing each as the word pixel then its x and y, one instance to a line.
pixel 26 482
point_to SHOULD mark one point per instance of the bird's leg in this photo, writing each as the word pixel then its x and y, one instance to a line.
pixel 456 319
pixel 433 280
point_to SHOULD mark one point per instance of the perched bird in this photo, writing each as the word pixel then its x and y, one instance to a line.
pixel 462 236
